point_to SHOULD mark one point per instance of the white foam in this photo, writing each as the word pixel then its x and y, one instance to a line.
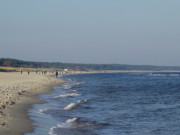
pixel 42 110
pixel 82 82
pixel 79 83
pixel 67 95
pixel 67 86
pixel 70 86
pixel 68 123
pixel 164 74
pixel 51 131
pixel 72 120
pixel 64 125
pixel 61 125
pixel 73 90
pixel 70 106
pixel 82 101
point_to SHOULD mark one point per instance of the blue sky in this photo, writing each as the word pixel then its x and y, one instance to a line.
pixel 141 32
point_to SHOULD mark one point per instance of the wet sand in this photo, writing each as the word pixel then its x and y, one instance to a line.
pixel 17 93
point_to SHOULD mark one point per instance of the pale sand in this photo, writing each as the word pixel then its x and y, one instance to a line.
pixel 17 93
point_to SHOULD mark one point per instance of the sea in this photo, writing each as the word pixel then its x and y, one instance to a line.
pixel 110 104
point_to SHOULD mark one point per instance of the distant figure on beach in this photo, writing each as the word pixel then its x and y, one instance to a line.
pixel 56 74
pixel 28 72
pixel 44 72
pixel 21 71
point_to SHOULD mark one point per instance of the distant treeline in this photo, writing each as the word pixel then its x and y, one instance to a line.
pixel 30 64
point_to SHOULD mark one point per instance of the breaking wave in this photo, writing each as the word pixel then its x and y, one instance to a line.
pixel 70 106
pixel 82 101
pixel 42 110
pixel 67 95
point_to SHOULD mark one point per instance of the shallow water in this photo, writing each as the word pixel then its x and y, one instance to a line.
pixel 111 104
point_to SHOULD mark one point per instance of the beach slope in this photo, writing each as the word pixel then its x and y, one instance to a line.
pixel 17 93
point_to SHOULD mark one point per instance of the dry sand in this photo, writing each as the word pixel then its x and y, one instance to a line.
pixel 17 93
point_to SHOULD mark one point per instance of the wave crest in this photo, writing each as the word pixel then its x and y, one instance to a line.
pixel 67 95
pixel 70 106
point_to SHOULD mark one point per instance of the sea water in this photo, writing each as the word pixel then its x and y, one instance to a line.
pixel 111 104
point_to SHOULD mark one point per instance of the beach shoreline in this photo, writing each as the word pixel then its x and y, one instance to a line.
pixel 18 93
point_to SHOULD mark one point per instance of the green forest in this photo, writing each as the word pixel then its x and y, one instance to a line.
pixel 7 62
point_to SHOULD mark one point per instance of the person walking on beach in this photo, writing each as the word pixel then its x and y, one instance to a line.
pixel 21 71
pixel 28 72
pixel 56 74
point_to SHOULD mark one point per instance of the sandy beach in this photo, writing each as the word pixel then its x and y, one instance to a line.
pixel 17 93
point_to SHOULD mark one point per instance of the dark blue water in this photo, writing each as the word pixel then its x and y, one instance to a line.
pixel 111 104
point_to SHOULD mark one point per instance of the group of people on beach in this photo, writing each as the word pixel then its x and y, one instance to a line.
pixel 39 72
pixel 43 72
pixel 27 72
